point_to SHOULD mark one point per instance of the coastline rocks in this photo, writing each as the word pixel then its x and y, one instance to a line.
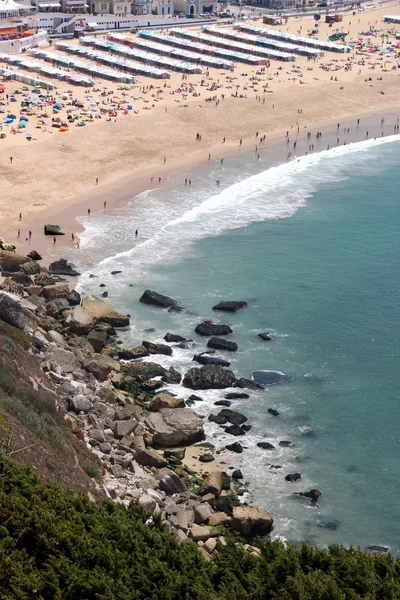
pixel 269 377
pixel 175 427
pixel 273 411
pixel 12 262
pixel 161 400
pixel 155 299
pixel 218 419
pixel 171 376
pixel 61 267
pixel 171 338
pixel 221 344
pixel 237 396
pixel 206 359
pixel 169 482
pixel 97 339
pixel 285 444
pixel 149 458
pixel 80 403
pixel 55 291
pixel 101 311
pixel 265 446
pixel 247 383
pixel 157 348
pixel 56 307
pixel 34 255
pixel 251 520
pixel 144 370
pixel 293 477
pixel 79 320
pixel 17 312
pixel 230 305
pixel 234 417
pixel 209 329
pixel 212 484
pixel 312 496
pixel 235 430
pixel 101 366
pixel 267 336
pixel 235 447
pixel 138 352
pixel 237 474
pixel 209 377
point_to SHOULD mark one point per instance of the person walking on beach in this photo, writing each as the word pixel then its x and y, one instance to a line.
pixel 88 211
pixel 72 237
pixel 20 217
pixel 136 233
pixel 105 204
pixel 165 159
pixel 29 234
pixel 54 240
pixel 11 160
pixel 19 233
pixel 97 181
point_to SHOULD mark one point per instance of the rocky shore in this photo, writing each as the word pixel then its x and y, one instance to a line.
pixel 125 409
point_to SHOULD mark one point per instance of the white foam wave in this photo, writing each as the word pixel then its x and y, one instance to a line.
pixel 272 194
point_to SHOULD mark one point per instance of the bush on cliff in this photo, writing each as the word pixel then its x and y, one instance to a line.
pixel 55 544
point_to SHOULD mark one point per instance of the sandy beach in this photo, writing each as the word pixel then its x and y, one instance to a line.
pixel 53 178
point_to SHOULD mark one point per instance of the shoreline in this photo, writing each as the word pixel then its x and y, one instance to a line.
pixel 120 191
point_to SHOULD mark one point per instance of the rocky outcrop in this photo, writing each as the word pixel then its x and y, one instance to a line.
pixel 12 262
pixel 150 458
pixel 157 348
pixel 155 299
pixel 172 338
pixel 269 377
pixel 161 400
pixel 175 427
pixel 251 521
pixel 133 353
pixel 97 339
pixel 235 447
pixel 101 311
pixel 312 496
pixel 230 305
pixel 267 336
pixel 101 366
pixel 209 328
pixel 172 376
pixel 209 377
pixel 62 267
pixel 266 446
pixel 210 359
pixel 79 320
pixel 55 291
pixel 293 477
pixel 221 344
pixel 18 312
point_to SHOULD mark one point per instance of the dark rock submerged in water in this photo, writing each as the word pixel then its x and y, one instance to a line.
pixel 235 447
pixel 248 383
pixel 157 348
pixel 209 329
pixel 206 359
pixel 209 377
pixel 273 411
pixel 312 496
pixel 377 549
pixel 266 446
pixel 221 344
pixel 269 377
pixel 267 336
pixel 62 267
pixel 237 396
pixel 293 477
pixel 156 299
pixel 171 338
pixel 230 305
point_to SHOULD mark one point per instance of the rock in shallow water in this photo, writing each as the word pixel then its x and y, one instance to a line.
pixel 269 377
pixel 151 297
pixel 221 344
pixel 206 359
pixel 230 305
pixel 209 377
pixel 208 329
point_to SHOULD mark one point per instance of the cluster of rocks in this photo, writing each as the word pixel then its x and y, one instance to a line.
pixel 119 406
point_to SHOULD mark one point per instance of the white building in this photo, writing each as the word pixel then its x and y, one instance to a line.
pixel 9 8
pixel 162 7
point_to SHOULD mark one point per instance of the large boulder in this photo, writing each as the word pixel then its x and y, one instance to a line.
pixel 160 401
pixel 268 377
pixel 206 358
pixel 12 262
pixel 56 307
pixel 144 370
pixel 212 484
pixel 97 339
pixel 172 337
pixel 55 291
pixel 169 482
pixel 175 427
pixel 64 358
pixel 208 329
pixel 62 267
pixel 251 520
pixel 221 344
pixel 133 353
pixel 230 305
pixel 101 366
pixel 171 376
pixel 150 297
pixel 157 348
pixel 209 377
pixel 234 417
pixel 79 320
pixel 149 458
pixel 101 311
pixel 17 312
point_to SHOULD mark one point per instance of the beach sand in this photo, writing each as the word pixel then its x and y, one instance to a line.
pixel 53 178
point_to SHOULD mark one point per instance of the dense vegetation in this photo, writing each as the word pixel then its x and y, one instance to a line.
pixel 55 544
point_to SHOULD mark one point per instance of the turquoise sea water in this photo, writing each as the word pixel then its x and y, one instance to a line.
pixel 314 248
